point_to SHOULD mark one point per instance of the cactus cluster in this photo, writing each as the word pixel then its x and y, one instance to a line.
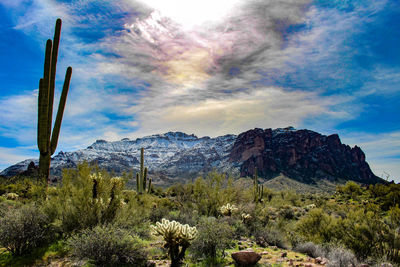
pixel 141 177
pixel 257 190
pixel 228 209
pixel 177 238
pixel 106 196
pixel 46 138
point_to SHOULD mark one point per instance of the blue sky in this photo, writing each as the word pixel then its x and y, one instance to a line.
pixel 208 68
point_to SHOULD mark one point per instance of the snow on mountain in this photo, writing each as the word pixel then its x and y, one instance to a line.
pixel 302 155
pixel 169 154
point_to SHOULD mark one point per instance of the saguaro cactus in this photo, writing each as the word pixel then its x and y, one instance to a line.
pixel 141 177
pixel 258 191
pixel 46 138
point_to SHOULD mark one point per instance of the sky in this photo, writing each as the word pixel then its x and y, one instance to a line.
pixel 206 67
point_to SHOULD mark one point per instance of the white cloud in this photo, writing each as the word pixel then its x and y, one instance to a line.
pixel 267 107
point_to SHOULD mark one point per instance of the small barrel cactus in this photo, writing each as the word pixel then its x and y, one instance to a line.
pixel 177 238
pixel 228 209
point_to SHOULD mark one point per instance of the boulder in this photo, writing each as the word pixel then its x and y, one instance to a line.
pixel 246 257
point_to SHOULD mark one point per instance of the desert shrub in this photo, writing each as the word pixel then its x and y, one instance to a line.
pixel 350 190
pixel 108 246
pixel 239 228
pixel 287 212
pixel 310 249
pixel 184 217
pixel 24 228
pixel 337 256
pixel 160 209
pixel 210 193
pixel 86 198
pixel 135 214
pixel 317 226
pixel 361 232
pixel 270 236
pixel 340 257
pixel 292 197
pixel 214 236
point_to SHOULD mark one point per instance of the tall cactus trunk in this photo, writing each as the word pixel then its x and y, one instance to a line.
pixel 46 138
pixel 141 176
pixel 44 167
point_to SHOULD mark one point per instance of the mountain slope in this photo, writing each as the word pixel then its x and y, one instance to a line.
pixel 301 155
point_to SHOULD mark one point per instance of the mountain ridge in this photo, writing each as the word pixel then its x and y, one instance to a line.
pixel 302 155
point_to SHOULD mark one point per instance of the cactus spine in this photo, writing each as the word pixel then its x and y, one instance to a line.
pixel 141 177
pixel 258 190
pixel 46 138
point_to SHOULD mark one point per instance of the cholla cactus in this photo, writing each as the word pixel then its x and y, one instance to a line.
pixel 228 209
pixel 175 235
pixel 11 196
pixel 246 217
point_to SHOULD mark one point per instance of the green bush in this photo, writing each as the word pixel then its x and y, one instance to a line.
pixel 86 198
pixel 317 226
pixel 362 231
pixel 108 246
pixel 212 192
pixel 23 229
pixel 214 236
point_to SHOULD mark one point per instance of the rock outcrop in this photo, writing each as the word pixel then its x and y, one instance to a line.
pixel 302 155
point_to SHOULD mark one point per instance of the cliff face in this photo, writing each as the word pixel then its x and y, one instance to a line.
pixel 302 155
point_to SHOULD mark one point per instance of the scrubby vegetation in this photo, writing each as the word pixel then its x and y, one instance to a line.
pixel 92 217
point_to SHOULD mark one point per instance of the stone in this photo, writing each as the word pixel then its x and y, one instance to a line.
pixel 246 257
pixel 284 254
pixel 325 261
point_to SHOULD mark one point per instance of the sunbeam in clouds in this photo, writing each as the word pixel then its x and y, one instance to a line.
pixel 189 14
pixel 192 41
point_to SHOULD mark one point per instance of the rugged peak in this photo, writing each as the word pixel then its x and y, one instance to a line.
pixel 302 155
pixel 180 135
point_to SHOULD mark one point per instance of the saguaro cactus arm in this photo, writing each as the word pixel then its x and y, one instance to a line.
pixel 60 111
